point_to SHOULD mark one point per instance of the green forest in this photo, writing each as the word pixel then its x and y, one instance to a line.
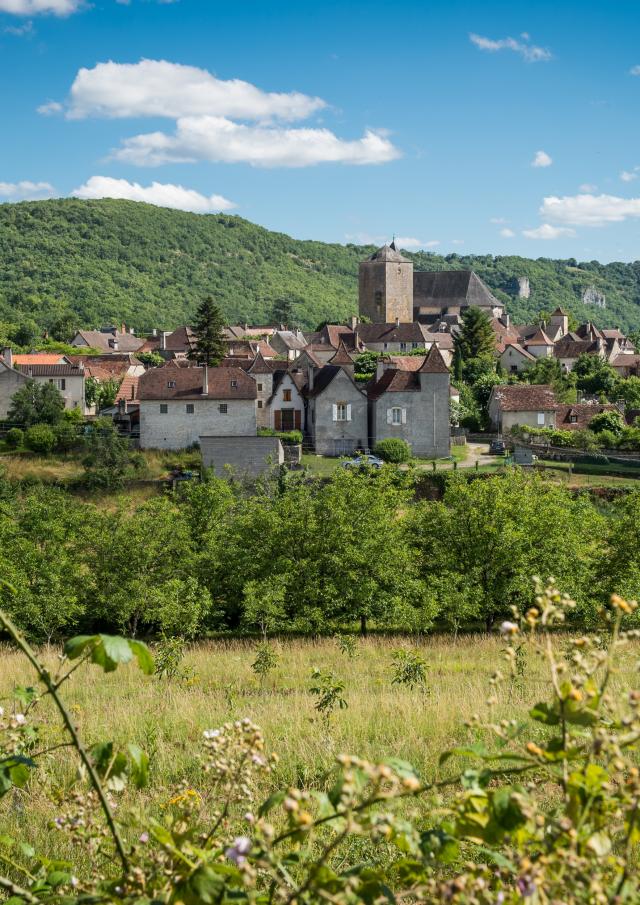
pixel 86 263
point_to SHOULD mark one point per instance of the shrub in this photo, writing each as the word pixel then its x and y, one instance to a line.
pixel 288 437
pixel 40 439
pixel 15 437
pixel 393 449
pixel 66 436
pixel 607 421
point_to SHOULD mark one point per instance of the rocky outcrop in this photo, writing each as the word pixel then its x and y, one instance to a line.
pixel 524 288
pixel 593 296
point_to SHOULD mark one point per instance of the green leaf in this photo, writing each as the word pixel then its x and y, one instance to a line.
pixel 111 651
pixel 498 859
pixel 273 801
pixel 139 768
pixel 75 647
pixel 143 655
pixel 469 751
pixel 401 767
pixel 543 713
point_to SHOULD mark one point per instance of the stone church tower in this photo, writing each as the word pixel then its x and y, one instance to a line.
pixel 385 287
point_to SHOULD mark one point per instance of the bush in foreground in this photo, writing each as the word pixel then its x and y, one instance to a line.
pixel 393 450
pixel 15 437
pixel 40 439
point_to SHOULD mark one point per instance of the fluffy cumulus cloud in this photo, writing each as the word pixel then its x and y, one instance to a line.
pixel 413 244
pixel 547 231
pixel 589 210
pixel 629 175
pixel 220 140
pixel 541 159
pixel 25 190
pixel 507 233
pixel 161 88
pixel 161 194
pixel 528 51
pixel 36 7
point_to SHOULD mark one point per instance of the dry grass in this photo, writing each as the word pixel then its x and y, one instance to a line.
pixel 50 469
pixel 167 718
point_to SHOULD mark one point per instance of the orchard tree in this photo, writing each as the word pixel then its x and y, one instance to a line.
pixel 36 403
pixel 208 327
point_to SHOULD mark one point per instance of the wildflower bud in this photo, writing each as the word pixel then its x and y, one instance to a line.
pixel 291 805
pixel 534 749
pixel 508 628
pixel 412 783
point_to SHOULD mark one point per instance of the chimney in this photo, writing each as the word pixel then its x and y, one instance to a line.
pixel 163 340
pixel 379 369
pixel 506 319
pixel 397 322
pixel 154 332
pixel 123 327
pixel 7 354
pixel 354 321
pixel 310 376
pixel 205 382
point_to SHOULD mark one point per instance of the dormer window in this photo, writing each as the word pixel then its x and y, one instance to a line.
pixel 171 384
pixel 573 419
pixel 234 384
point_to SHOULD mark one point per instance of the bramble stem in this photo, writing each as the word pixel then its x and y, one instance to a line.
pixel 50 685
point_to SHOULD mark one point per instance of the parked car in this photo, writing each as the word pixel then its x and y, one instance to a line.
pixel 364 461
pixel 497 448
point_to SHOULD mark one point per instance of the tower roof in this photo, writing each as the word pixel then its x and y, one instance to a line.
pixel 434 363
pixel 341 357
pixel 388 254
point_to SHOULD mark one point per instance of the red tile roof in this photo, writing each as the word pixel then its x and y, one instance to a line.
pixel 434 363
pixel 394 381
pixel 583 412
pixel 188 384
pixel 39 358
pixel 525 397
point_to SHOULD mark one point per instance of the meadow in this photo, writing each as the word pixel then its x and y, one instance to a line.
pixel 167 717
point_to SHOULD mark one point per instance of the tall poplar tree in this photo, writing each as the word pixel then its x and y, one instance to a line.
pixel 208 327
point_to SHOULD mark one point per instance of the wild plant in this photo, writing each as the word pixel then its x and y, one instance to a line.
pixel 266 660
pixel 409 668
pixel 328 691
pixel 347 645
pixel 168 656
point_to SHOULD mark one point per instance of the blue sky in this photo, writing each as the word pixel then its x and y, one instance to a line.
pixel 504 128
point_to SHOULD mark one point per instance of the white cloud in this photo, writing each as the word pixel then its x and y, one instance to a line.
pixel 507 233
pixel 217 139
pixel 498 220
pixel 588 187
pixel 36 7
pixel 26 190
pixel 546 231
pixel 161 88
pixel 457 241
pixel 411 243
pixel 541 159
pixel 527 51
pixel 161 194
pixel 629 175
pixel 589 210
pixel 50 108
pixel 635 70
pixel 20 30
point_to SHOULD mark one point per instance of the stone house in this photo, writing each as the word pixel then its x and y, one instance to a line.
pixel 286 405
pixel 336 412
pixel 515 358
pixel 11 380
pixel 523 404
pixel 289 343
pixel 180 404
pixel 107 340
pixel 413 406
pixel 67 378
pixel 393 338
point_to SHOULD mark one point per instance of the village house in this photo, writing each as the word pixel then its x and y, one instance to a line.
pixel 515 358
pixel 17 370
pixel 179 404
pixel 413 405
pixel 108 339
pixel 286 405
pixel 336 412
pixel 524 404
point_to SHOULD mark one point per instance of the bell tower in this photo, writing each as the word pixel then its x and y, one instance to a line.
pixel 385 287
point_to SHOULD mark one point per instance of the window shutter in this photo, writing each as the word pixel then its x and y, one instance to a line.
pixel 404 416
pixel 389 416
pixel 349 412
pixel 335 412
pixel 297 419
pixel 277 419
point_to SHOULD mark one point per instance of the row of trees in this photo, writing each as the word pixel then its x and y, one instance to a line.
pixel 309 556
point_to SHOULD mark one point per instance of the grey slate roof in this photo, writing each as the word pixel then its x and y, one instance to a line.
pixel 449 288
pixel 388 254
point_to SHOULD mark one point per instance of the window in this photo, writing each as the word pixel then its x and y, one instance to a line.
pixel 164 408
pixel 190 408
pixel 396 415
pixel 414 345
pixel 171 384
pixel 514 369
pixel 223 408
pixel 541 419
pixel 403 347
pixel 234 384
pixel 259 403
pixel 259 387
pixel 341 411
pixel 385 346
pixel 573 419
pixel 286 395
pixel 59 382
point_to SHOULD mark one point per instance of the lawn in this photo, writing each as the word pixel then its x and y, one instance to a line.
pixel 167 717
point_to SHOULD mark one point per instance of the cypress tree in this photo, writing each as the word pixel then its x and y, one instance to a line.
pixel 208 327
pixel 476 336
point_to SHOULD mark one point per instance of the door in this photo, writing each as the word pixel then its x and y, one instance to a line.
pixel 286 420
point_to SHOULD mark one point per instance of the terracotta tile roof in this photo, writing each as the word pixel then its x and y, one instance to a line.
pixel 333 334
pixel 405 362
pixel 519 349
pixel 39 358
pixel 128 389
pixel 183 339
pixel 388 254
pixel 524 397
pixel 96 339
pixel 583 412
pixel 188 383
pixel 539 338
pixel 236 362
pixel 394 381
pixel 434 363
pixel 392 333
pixel 571 348
pixel 63 370
pixel 341 357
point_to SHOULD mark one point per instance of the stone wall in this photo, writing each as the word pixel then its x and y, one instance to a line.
pixel 425 414
pixel 385 291
pixel 178 429
pixel 331 437
pixel 241 456
pixel 10 381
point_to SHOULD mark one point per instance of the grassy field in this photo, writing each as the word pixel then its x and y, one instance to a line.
pixel 167 718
